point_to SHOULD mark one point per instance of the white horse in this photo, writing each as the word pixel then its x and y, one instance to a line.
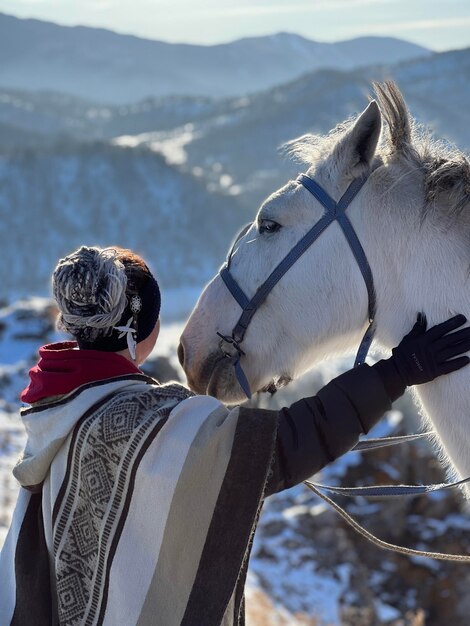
pixel 413 220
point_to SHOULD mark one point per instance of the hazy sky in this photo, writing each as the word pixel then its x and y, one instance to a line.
pixel 437 24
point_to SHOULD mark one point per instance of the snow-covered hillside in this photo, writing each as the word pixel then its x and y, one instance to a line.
pixel 55 116
pixel 245 140
pixel 52 201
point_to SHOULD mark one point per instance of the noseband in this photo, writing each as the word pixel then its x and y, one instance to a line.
pixel 334 211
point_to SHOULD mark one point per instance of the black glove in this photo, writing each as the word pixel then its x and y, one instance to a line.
pixel 422 355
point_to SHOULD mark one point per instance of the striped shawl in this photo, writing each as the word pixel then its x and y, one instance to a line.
pixel 138 506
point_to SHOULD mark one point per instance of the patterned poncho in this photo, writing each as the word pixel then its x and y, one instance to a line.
pixel 137 507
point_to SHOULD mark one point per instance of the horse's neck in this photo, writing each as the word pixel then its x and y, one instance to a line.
pixel 425 271
pixel 445 404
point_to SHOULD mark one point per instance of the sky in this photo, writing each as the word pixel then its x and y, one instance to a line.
pixel 436 24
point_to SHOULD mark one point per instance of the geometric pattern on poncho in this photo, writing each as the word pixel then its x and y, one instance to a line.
pixel 106 448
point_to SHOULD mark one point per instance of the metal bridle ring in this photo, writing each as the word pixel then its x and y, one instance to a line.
pixel 230 341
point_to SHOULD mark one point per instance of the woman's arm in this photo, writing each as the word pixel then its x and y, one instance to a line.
pixel 315 431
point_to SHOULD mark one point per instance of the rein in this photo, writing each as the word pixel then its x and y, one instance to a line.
pixel 334 211
pixel 388 491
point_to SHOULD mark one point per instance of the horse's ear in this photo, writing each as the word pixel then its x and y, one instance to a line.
pixel 356 149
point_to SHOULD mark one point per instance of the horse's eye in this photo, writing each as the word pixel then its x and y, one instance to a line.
pixel 268 226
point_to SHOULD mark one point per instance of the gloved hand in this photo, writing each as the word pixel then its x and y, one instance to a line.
pixel 423 355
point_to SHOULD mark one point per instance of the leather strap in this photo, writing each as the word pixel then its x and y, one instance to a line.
pixel 334 211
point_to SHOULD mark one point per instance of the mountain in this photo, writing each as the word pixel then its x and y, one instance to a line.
pixel 13 138
pixel 53 200
pixel 101 65
pixel 244 141
pixel 181 174
pixel 316 100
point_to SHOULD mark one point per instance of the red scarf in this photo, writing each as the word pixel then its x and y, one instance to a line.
pixel 62 369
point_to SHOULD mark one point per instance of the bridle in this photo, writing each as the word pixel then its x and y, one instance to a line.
pixel 334 211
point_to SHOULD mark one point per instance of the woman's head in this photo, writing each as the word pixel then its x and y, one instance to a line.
pixel 102 291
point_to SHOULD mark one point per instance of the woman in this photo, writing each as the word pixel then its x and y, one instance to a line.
pixel 139 500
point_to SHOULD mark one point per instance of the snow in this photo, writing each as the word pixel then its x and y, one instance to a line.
pixel 106 195
pixel 12 440
pixel 21 325
pixel 386 612
pixel 293 581
pixel 170 144
pixel 178 303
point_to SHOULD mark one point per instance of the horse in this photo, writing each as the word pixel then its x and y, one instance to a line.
pixel 413 221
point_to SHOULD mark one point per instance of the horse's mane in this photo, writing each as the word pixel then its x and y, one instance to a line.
pixel 446 169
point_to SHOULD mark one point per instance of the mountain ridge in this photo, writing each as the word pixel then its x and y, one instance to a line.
pixel 54 114
pixel 111 68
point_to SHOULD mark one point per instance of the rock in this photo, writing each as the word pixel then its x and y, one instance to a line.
pixel 260 611
pixel 300 538
pixel 161 369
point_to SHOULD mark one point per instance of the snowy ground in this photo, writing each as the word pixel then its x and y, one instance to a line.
pixel 12 440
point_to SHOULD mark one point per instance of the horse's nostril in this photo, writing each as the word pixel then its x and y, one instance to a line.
pixel 180 352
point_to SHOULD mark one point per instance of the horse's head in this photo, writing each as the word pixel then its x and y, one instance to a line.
pixel 319 306
pixel 412 217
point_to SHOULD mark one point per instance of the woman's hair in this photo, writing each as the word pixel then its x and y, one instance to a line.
pixel 93 288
